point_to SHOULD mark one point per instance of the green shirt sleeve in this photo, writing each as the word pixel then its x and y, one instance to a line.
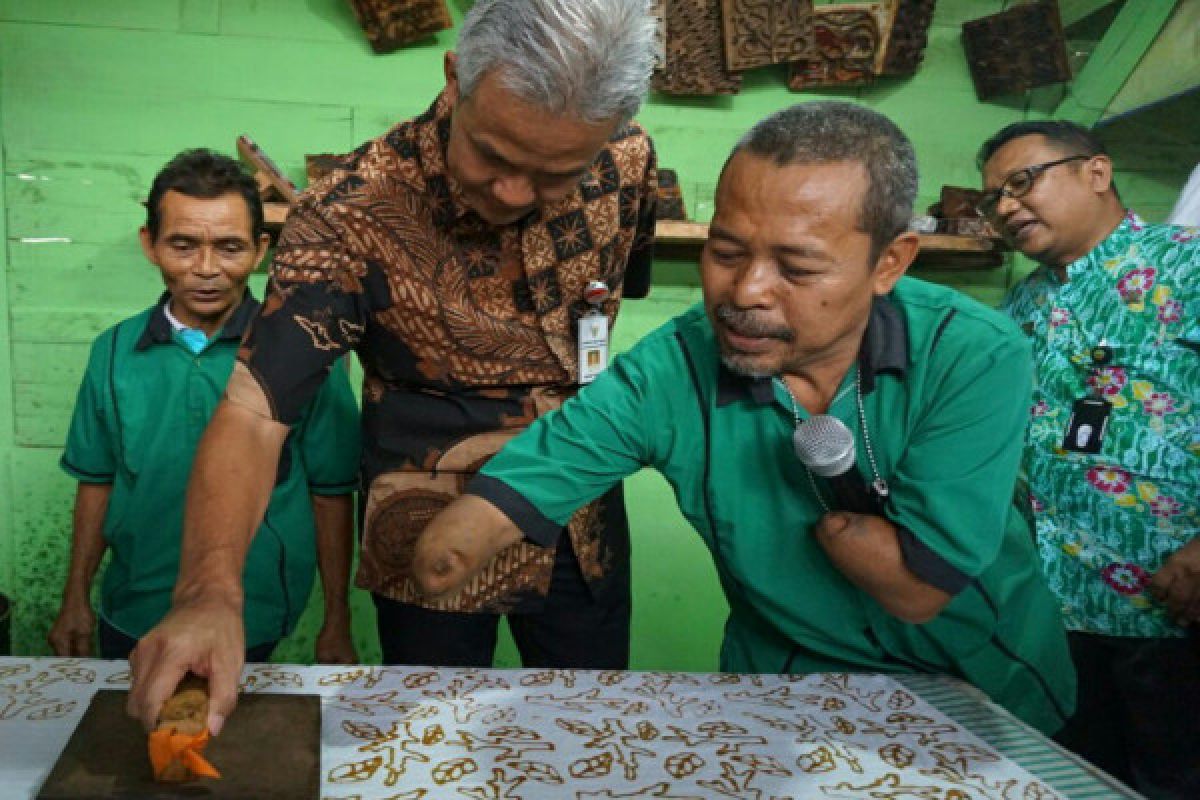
pixel 953 490
pixel 88 456
pixel 573 455
pixel 330 442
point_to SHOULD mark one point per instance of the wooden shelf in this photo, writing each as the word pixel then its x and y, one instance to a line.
pixel 938 250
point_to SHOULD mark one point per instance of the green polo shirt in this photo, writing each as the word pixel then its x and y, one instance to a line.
pixel 143 404
pixel 945 386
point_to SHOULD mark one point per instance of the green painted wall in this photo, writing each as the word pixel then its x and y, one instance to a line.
pixel 95 96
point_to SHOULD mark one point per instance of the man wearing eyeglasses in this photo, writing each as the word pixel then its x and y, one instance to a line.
pixel 1113 447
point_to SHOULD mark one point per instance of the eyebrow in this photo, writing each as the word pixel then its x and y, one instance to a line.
pixel 799 250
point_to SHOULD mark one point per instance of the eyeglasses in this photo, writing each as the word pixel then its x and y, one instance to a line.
pixel 1018 185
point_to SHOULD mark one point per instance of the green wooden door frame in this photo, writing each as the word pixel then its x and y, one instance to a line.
pixel 1114 60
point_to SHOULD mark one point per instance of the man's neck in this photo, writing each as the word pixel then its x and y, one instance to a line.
pixel 1106 223
pixel 814 384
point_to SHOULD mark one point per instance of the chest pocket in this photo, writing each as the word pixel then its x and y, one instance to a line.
pixel 144 399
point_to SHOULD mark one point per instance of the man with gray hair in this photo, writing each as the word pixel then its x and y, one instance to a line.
pixel 903 552
pixel 462 256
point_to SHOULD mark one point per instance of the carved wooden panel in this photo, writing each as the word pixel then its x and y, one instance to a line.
pixel 658 10
pixel 908 37
pixel 762 32
pixel 1016 50
pixel 669 197
pixel 850 42
pixel 694 63
pixel 390 24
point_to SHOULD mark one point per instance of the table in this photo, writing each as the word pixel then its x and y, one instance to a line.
pixel 405 733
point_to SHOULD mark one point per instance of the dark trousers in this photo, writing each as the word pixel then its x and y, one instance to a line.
pixel 574 630
pixel 1138 712
pixel 116 645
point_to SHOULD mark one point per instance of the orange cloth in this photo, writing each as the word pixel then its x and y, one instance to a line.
pixel 176 756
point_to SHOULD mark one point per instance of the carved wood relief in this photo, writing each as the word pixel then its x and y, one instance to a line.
pixel 694 61
pixel 1015 50
pixel 908 37
pixel 762 32
pixel 850 43
pixel 669 196
pixel 390 24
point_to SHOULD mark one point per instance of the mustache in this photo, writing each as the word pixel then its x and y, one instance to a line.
pixel 748 323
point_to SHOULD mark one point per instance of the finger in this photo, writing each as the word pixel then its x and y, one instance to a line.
pixel 222 688
pixel 1160 584
pixel 59 645
pixel 1191 607
pixel 80 644
pixel 155 679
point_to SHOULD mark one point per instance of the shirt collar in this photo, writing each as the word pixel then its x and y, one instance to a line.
pixel 1116 242
pixel 159 329
pixel 884 349
pixel 433 136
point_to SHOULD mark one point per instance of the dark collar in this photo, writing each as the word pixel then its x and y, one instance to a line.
pixel 884 349
pixel 159 331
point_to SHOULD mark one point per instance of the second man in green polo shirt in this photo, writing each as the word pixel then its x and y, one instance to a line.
pixel 915 559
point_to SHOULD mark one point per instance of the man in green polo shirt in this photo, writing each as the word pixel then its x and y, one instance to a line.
pixel 151 384
pixel 806 313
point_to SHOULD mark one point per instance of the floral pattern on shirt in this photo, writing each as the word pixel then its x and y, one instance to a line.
pixel 1123 327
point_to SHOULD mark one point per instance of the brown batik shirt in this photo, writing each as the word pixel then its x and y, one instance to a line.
pixel 466 332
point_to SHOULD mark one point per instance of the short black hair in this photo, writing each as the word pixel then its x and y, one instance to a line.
pixel 834 131
pixel 203 173
pixel 1075 139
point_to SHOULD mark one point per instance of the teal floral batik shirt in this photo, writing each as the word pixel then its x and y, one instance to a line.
pixel 1123 327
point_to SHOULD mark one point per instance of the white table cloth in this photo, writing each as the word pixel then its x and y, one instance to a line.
pixel 413 733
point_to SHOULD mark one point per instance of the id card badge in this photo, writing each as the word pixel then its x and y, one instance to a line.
pixel 593 346
pixel 1086 427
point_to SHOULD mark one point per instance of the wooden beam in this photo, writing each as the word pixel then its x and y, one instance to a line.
pixel 1113 61
pixel 1072 11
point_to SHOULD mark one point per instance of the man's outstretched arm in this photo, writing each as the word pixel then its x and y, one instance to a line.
pixel 230 487
pixel 458 542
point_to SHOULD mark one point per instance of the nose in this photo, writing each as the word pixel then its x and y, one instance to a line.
pixel 206 263
pixel 1006 206
pixel 751 285
pixel 514 191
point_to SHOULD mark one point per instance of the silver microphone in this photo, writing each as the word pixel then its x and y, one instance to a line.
pixel 825 445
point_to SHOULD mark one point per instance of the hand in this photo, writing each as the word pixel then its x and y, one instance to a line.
pixel 71 633
pixel 203 636
pixel 1177 584
pixel 334 645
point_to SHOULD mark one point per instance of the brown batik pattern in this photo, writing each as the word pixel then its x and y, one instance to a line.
pixel 466 333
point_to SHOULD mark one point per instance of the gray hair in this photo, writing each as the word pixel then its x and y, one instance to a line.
pixel 591 59
pixel 829 132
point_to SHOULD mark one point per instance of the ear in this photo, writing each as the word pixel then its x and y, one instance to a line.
pixel 264 241
pixel 894 261
pixel 450 70
pixel 1099 172
pixel 147 244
